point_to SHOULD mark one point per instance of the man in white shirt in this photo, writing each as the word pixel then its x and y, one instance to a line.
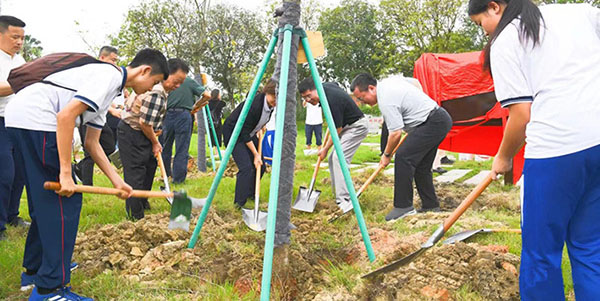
pixel 12 35
pixel 406 108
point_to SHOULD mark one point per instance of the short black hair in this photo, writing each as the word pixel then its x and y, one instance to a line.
pixel 178 64
pixel 307 84
pixel 214 94
pixel 6 21
pixel 108 50
pixel 152 58
pixel 362 82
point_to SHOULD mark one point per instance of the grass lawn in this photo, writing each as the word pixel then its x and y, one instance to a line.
pixel 338 275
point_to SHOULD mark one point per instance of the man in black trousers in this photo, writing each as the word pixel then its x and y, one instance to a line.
pixel 405 107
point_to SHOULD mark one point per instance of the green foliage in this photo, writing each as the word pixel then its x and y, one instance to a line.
pixel 354 40
pixel 32 48
pixel 236 42
pixel 419 26
pixel 174 27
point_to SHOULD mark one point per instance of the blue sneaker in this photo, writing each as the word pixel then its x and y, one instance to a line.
pixel 63 294
pixel 27 280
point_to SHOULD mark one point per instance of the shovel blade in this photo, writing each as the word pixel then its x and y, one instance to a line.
pixel 198 203
pixel 396 264
pixel 306 200
pixel 251 221
pixel 460 236
pixel 181 211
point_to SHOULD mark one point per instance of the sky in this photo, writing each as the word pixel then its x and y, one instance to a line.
pixel 82 25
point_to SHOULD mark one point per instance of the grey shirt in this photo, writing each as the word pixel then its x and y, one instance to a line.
pixel 403 105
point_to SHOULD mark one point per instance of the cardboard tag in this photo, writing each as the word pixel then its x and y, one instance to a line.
pixel 315 40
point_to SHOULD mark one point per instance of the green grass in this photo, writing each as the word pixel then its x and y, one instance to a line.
pixel 100 210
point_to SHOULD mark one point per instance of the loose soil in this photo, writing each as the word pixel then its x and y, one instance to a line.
pixel 146 252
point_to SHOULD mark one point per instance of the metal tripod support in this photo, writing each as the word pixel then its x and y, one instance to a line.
pixel 277 149
pixel 212 157
pixel 214 133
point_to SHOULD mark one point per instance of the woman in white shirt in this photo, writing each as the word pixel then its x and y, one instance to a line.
pixel 546 67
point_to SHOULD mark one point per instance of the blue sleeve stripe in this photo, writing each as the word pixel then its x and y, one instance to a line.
pixel 88 102
pixel 511 101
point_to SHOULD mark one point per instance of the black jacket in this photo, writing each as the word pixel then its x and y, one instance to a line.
pixel 250 123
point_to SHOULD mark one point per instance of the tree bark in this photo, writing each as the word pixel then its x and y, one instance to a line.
pixel 291 16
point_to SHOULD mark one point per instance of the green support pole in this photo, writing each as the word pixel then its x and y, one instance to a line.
pixel 212 157
pixel 233 140
pixel 214 132
pixel 338 148
pixel 265 290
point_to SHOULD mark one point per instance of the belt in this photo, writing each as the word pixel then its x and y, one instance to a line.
pixel 178 110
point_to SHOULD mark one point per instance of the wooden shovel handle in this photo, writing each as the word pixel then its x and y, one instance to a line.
pixel 257 183
pixel 109 191
pixel 319 159
pixel 161 165
pixel 507 230
pixel 378 170
pixel 466 203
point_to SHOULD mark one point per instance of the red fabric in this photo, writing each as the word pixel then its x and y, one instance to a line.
pixel 453 76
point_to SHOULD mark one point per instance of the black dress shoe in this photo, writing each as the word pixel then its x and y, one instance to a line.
pixel 446 161
pixel 439 170
pixel 19 222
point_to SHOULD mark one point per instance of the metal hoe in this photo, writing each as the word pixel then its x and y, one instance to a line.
pixel 460 236
pixel 306 200
pixel 255 219
pixel 439 233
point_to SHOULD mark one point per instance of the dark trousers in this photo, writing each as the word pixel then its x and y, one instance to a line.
pixel 86 165
pixel 218 129
pixel 414 159
pixel 317 129
pixel 139 166
pixel 177 128
pixel 384 137
pixel 12 179
pixel 245 182
pixel 54 219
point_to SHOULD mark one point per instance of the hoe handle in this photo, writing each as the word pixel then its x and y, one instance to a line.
pixel 109 191
pixel 466 203
pixel 378 170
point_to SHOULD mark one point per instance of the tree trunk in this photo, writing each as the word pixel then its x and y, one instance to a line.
pixel 291 16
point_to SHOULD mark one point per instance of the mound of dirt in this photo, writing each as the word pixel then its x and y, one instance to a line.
pixel 450 196
pixel 147 251
pixel 492 275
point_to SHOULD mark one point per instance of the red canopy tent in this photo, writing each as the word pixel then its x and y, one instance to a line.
pixel 458 83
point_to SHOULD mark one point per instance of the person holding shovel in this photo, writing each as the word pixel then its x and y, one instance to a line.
pixel 351 125
pixel 138 144
pixel 245 153
pixel 545 64
pixel 406 108
pixel 40 121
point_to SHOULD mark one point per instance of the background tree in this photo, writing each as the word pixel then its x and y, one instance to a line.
pixel 236 42
pixel 419 26
pixel 354 40
pixel 32 48
pixel 170 26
